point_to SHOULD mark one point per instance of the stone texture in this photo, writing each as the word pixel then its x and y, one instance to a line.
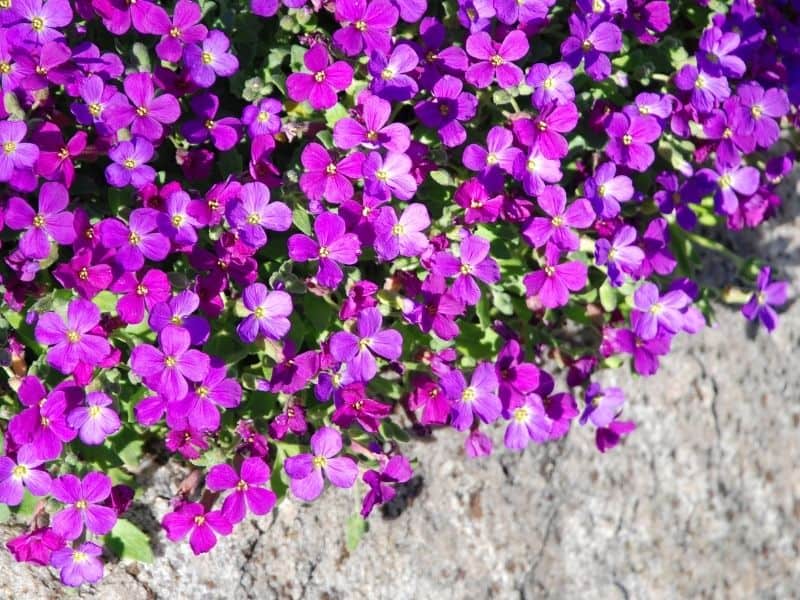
pixel 702 501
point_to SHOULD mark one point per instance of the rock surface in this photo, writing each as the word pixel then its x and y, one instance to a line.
pixel 702 501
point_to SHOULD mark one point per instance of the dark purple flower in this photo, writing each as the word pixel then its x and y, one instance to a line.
pixel 178 311
pixel 320 87
pixel 396 470
pixel 332 247
pixel 224 133
pixel 760 111
pixel 591 43
pixel 247 488
pixel 449 105
pixel 263 118
pixel 516 377
pixel 606 190
pixel 730 181
pixel 306 470
pixel 390 79
pixel 536 171
pixel 645 352
pixel 608 437
pixel 71 342
pixel 602 405
pixel 716 53
pixel 84 508
pixel 353 405
pixel 768 294
pixel 38 21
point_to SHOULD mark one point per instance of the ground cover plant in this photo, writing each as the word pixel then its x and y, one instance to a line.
pixel 274 240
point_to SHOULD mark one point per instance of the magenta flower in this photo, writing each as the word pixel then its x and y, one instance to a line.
pixel 321 86
pixel 192 517
pixel 252 214
pixel 78 565
pixel 130 164
pixel 479 398
pixel 178 312
pixel 263 118
pixel 199 407
pixel 269 313
pixel 602 405
pixel 372 131
pixel 306 470
pixel 499 155
pixel 96 96
pixel 358 350
pixel 84 505
pixel 427 395
pixel 553 283
pixel 390 79
pixel 607 438
pixel 766 296
pixel 38 21
pixel 119 15
pixel 448 106
pixel 35 546
pixel 646 18
pixel 42 426
pixel 478 206
pixel 707 90
pixel 437 312
pixel 353 405
pixel 606 190
pixel 210 59
pixel 651 310
pixel 224 133
pixel 404 236
pixel 620 255
pixel 396 470
pixel 365 26
pixel 50 222
pixel 325 179
pixel 55 155
pixel 517 378
pixel 630 139
pixel 496 60
pixel 590 43
pixel 16 154
pixel 556 228
pixel 18 475
pixel 247 487
pixel 95 421
pixel 389 176
pixel 71 342
pixel 137 240
pixel 760 111
pixel 473 263
pixel 148 113
pixel 645 353
pixel 545 132
pixel 185 28
pixel 332 247
pixel 550 83
pixel 166 370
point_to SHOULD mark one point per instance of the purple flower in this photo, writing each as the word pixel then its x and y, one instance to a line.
pixel 365 26
pixel 652 310
pixel 42 427
pixel 539 419
pixel 252 213
pixel 606 190
pixel 555 281
pixel 389 73
pixel 706 89
pixel 645 352
pixel 474 262
pixel 306 470
pixel 479 398
pixel 247 487
pixel 263 118
pixel 95 421
pixel 18 475
pixel 524 11
pixel 556 227
pixel 148 113
pixel 630 139
pixel 591 43
pixel 15 154
pixel 324 178
pixel 619 255
pixel 119 15
pixel 353 405
pixel 730 180
pixel 192 517
pixel 85 509
pixel 473 197
pixel 51 221
pixel 177 221
pixel 516 377
pixel 437 60
pixel 401 237
pixel 758 110
pixel 210 59
pixel 199 407
pixel 716 56
pixel 185 28
pixel 224 133
pixel 766 296
pixel 496 60
pixel 137 240
pixel 550 83
pixel 35 546
pixel 373 132
pixel 178 312
pixel 396 470
pixel 269 313
pixel 358 351
pixel 71 342
pixel 545 131
pixel 499 154
pixel 536 171
pixel 130 164
pixel 79 565
pixel 602 405
pixel 608 437
pixel 166 370
pixel 321 86
pixel 38 22
pixel 333 247
pixel 448 106
pixel 389 176
pixel 96 96
pixel 437 312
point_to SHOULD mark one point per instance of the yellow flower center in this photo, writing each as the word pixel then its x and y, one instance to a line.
pixel 612 254
pixel 5 4
pixel 79 557
pixel 387 74
pixel 83 274
pixel 170 361
pixel 541 126
pixel 549 83
pixel 557 221
pixel 134 238
pixel 601 191
pixel 330 169
pixel 657 308
pixel 466 269
pixel 254 218
pixel 241 486
pixel 324 252
pixel 468 395
pixel 549 271
pixel 5 68
pixel 45 422
pixel 397 229
pixel 496 60
pixel 202 391
pixel 207 58
pixel 177 220
pixel 259 312
pixel 756 110
pixel 598 6
pixel 360 25
pixel 728 133
pixel 364 343
pixel 199 520
pixel 213 205
pixel 319 462
pixel 319 76
pixel 586 45
pixel 209 124
pixel 627 139
pixel 700 82
pixel 531 165
pixel 19 472
pixel 142 111
pixel 63 153
pixel 141 290
pixel 381 175
pixel 372 136
pixel 9 147
pixel 38 221
pixel 129 163
pixel 176 320
pixel 95 108
pixel 262 117
pixel 37 23
pixel 761 298
pixel 73 336
pixel 94 411
pixel 175 32
pixel 644 110
pixel 41 70
pixel 521 414
pixel 725 181
pixel 491 159
pixel 81 504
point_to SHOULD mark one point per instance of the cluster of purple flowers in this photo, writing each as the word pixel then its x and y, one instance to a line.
pixel 402 221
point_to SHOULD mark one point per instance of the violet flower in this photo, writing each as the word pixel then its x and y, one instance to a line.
pixel 323 178
pixel 247 488
pixel 516 378
pixel 396 470
pixel 263 118
pixel 404 236
pixel 448 106
pixel 730 181
pixel 210 59
pixel 619 255
pixel 716 53
pixel 18 475
pixel 550 83
pixel 353 405
pixel 473 263
pixel 591 43
pixel 358 350
pixel 536 171
pixel 366 26
pixel 95 421
pixel 760 111
pixel 607 438
pixel 499 155
pixel 389 176
pixel 70 342
pixel 269 313
pixel 178 311
pixel 203 525
pixel 16 154
pixel 321 86
pixel 652 310
pixel 78 565
pixel 553 283
pixel 130 164
pixel 707 90
pixel 479 398
pixel 602 405
pixel 332 247
pixel 630 139
pixel 427 395
pixel 556 228
pixel 373 132
pixel 767 295
pixel 224 133
pixel 184 28
pixel 38 21
pixel 390 79
pixel 137 240
pixel 199 406
pixel 645 353
pixel 35 546
pixel 149 113
pixel 84 505
pixel 306 470
pixel 252 213
pixel 50 222
pixel 496 60
pixel 606 190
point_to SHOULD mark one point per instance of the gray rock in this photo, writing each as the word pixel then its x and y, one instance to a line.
pixel 702 501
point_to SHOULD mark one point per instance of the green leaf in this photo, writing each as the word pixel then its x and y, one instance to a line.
pixel 106 302
pixel 128 541
pixel 356 528
pixel 334 114
pixel 302 220
pixel 392 431
pixel 443 178
pixel 5 513
pixel 141 55
pixel 608 296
